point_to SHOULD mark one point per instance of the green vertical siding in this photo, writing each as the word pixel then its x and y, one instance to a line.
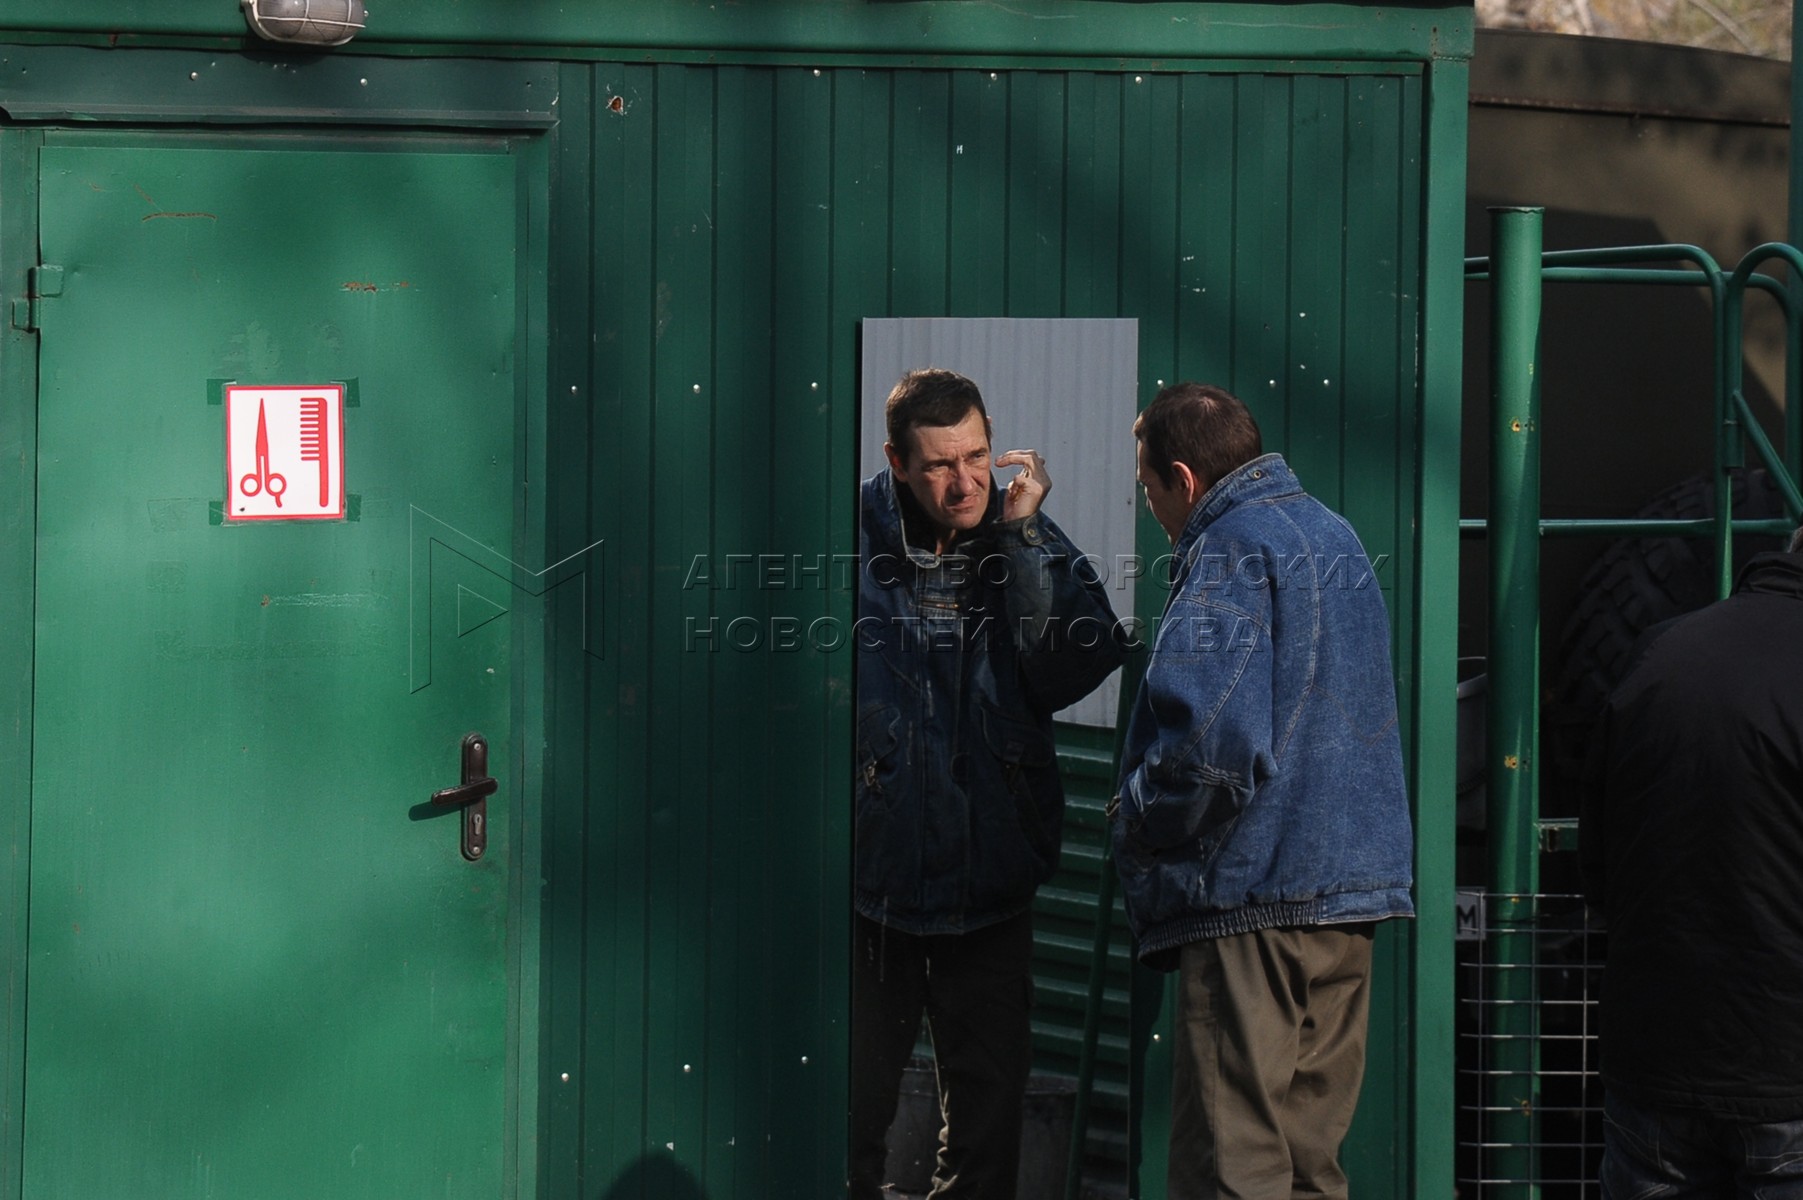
pixel 1264 229
pixel 724 210
pixel 18 585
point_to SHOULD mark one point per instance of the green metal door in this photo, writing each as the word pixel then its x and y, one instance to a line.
pixel 259 965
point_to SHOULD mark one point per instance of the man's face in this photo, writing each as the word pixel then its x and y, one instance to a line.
pixel 947 469
pixel 1170 505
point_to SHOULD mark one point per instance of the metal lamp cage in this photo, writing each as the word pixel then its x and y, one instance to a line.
pixel 306 22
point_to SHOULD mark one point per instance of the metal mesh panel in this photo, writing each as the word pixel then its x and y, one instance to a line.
pixel 1529 1096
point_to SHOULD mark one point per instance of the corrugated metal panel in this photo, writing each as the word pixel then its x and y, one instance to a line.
pixel 1263 229
pixel 1064 925
pixel 1067 388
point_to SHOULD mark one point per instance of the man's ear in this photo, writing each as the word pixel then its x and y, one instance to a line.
pixel 896 465
pixel 1188 482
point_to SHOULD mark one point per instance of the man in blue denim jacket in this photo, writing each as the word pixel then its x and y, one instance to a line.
pixel 975 624
pixel 1261 827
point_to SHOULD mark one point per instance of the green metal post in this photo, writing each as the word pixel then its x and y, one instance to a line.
pixel 1513 751
pixel 1793 379
pixel 1782 471
pixel 1728 442
pixel 1793 325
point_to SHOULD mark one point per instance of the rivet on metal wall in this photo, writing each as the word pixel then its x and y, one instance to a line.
pixel 1139 79
pixel 363 83
pixel 698 389
pixel 816 72
pixel 686 1068
pixel 804 1060
pixel 565 1077
pixel 572 389
pixel 813 387
pixel 993 75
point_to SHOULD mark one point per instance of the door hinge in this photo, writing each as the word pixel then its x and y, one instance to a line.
pixel 41 282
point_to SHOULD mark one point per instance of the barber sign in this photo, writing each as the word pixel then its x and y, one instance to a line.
pixel 284 453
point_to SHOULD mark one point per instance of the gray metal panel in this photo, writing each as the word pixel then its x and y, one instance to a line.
pixel 1064 387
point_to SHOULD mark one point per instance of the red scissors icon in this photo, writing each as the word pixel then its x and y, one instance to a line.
pixel 263 478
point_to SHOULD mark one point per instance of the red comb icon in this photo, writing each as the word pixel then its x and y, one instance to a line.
pixel 313 440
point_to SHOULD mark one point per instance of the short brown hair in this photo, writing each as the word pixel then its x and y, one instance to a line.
pixel 931 396
pixel 1204 427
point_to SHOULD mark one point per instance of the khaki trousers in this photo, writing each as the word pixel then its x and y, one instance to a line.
pixel 1270 1052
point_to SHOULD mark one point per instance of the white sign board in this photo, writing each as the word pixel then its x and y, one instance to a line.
pixel 284 453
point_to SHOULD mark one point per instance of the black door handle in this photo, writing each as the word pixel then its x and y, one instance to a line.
pixel 465 793
pixel 472 795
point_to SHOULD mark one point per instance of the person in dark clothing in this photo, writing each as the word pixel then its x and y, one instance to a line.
pixel 1691 841
pixel 975 625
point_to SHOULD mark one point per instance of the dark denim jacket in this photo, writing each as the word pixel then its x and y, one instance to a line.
pixel 962 660
pixel 1262 780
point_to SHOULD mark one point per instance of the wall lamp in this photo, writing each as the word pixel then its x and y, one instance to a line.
pixel 305 22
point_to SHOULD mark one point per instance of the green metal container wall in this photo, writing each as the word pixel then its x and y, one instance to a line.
pixel 1264 228
pixel 1281 211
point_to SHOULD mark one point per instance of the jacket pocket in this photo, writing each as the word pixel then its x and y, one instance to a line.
pixel 1027 757
pixel 885 859
pixel 878 741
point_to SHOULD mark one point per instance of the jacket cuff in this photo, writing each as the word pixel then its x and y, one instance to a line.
pixel 1022 531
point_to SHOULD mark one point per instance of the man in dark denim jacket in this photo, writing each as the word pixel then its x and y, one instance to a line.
pixel 1261 827
pixel 975 624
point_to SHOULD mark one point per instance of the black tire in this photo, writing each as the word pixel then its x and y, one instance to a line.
pixel 1637 583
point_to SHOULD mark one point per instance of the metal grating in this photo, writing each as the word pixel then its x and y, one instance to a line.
pixel 1529 1095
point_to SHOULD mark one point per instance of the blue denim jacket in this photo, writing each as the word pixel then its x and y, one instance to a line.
pixel 1262 781
pixel 962 660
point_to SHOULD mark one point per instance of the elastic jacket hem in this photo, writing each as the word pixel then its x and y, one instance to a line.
pixel 1343 908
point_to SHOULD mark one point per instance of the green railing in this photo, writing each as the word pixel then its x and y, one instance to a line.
pixel 1517 275
pixel 1733 421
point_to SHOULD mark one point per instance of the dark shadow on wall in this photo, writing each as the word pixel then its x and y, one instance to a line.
pixel 655 1177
